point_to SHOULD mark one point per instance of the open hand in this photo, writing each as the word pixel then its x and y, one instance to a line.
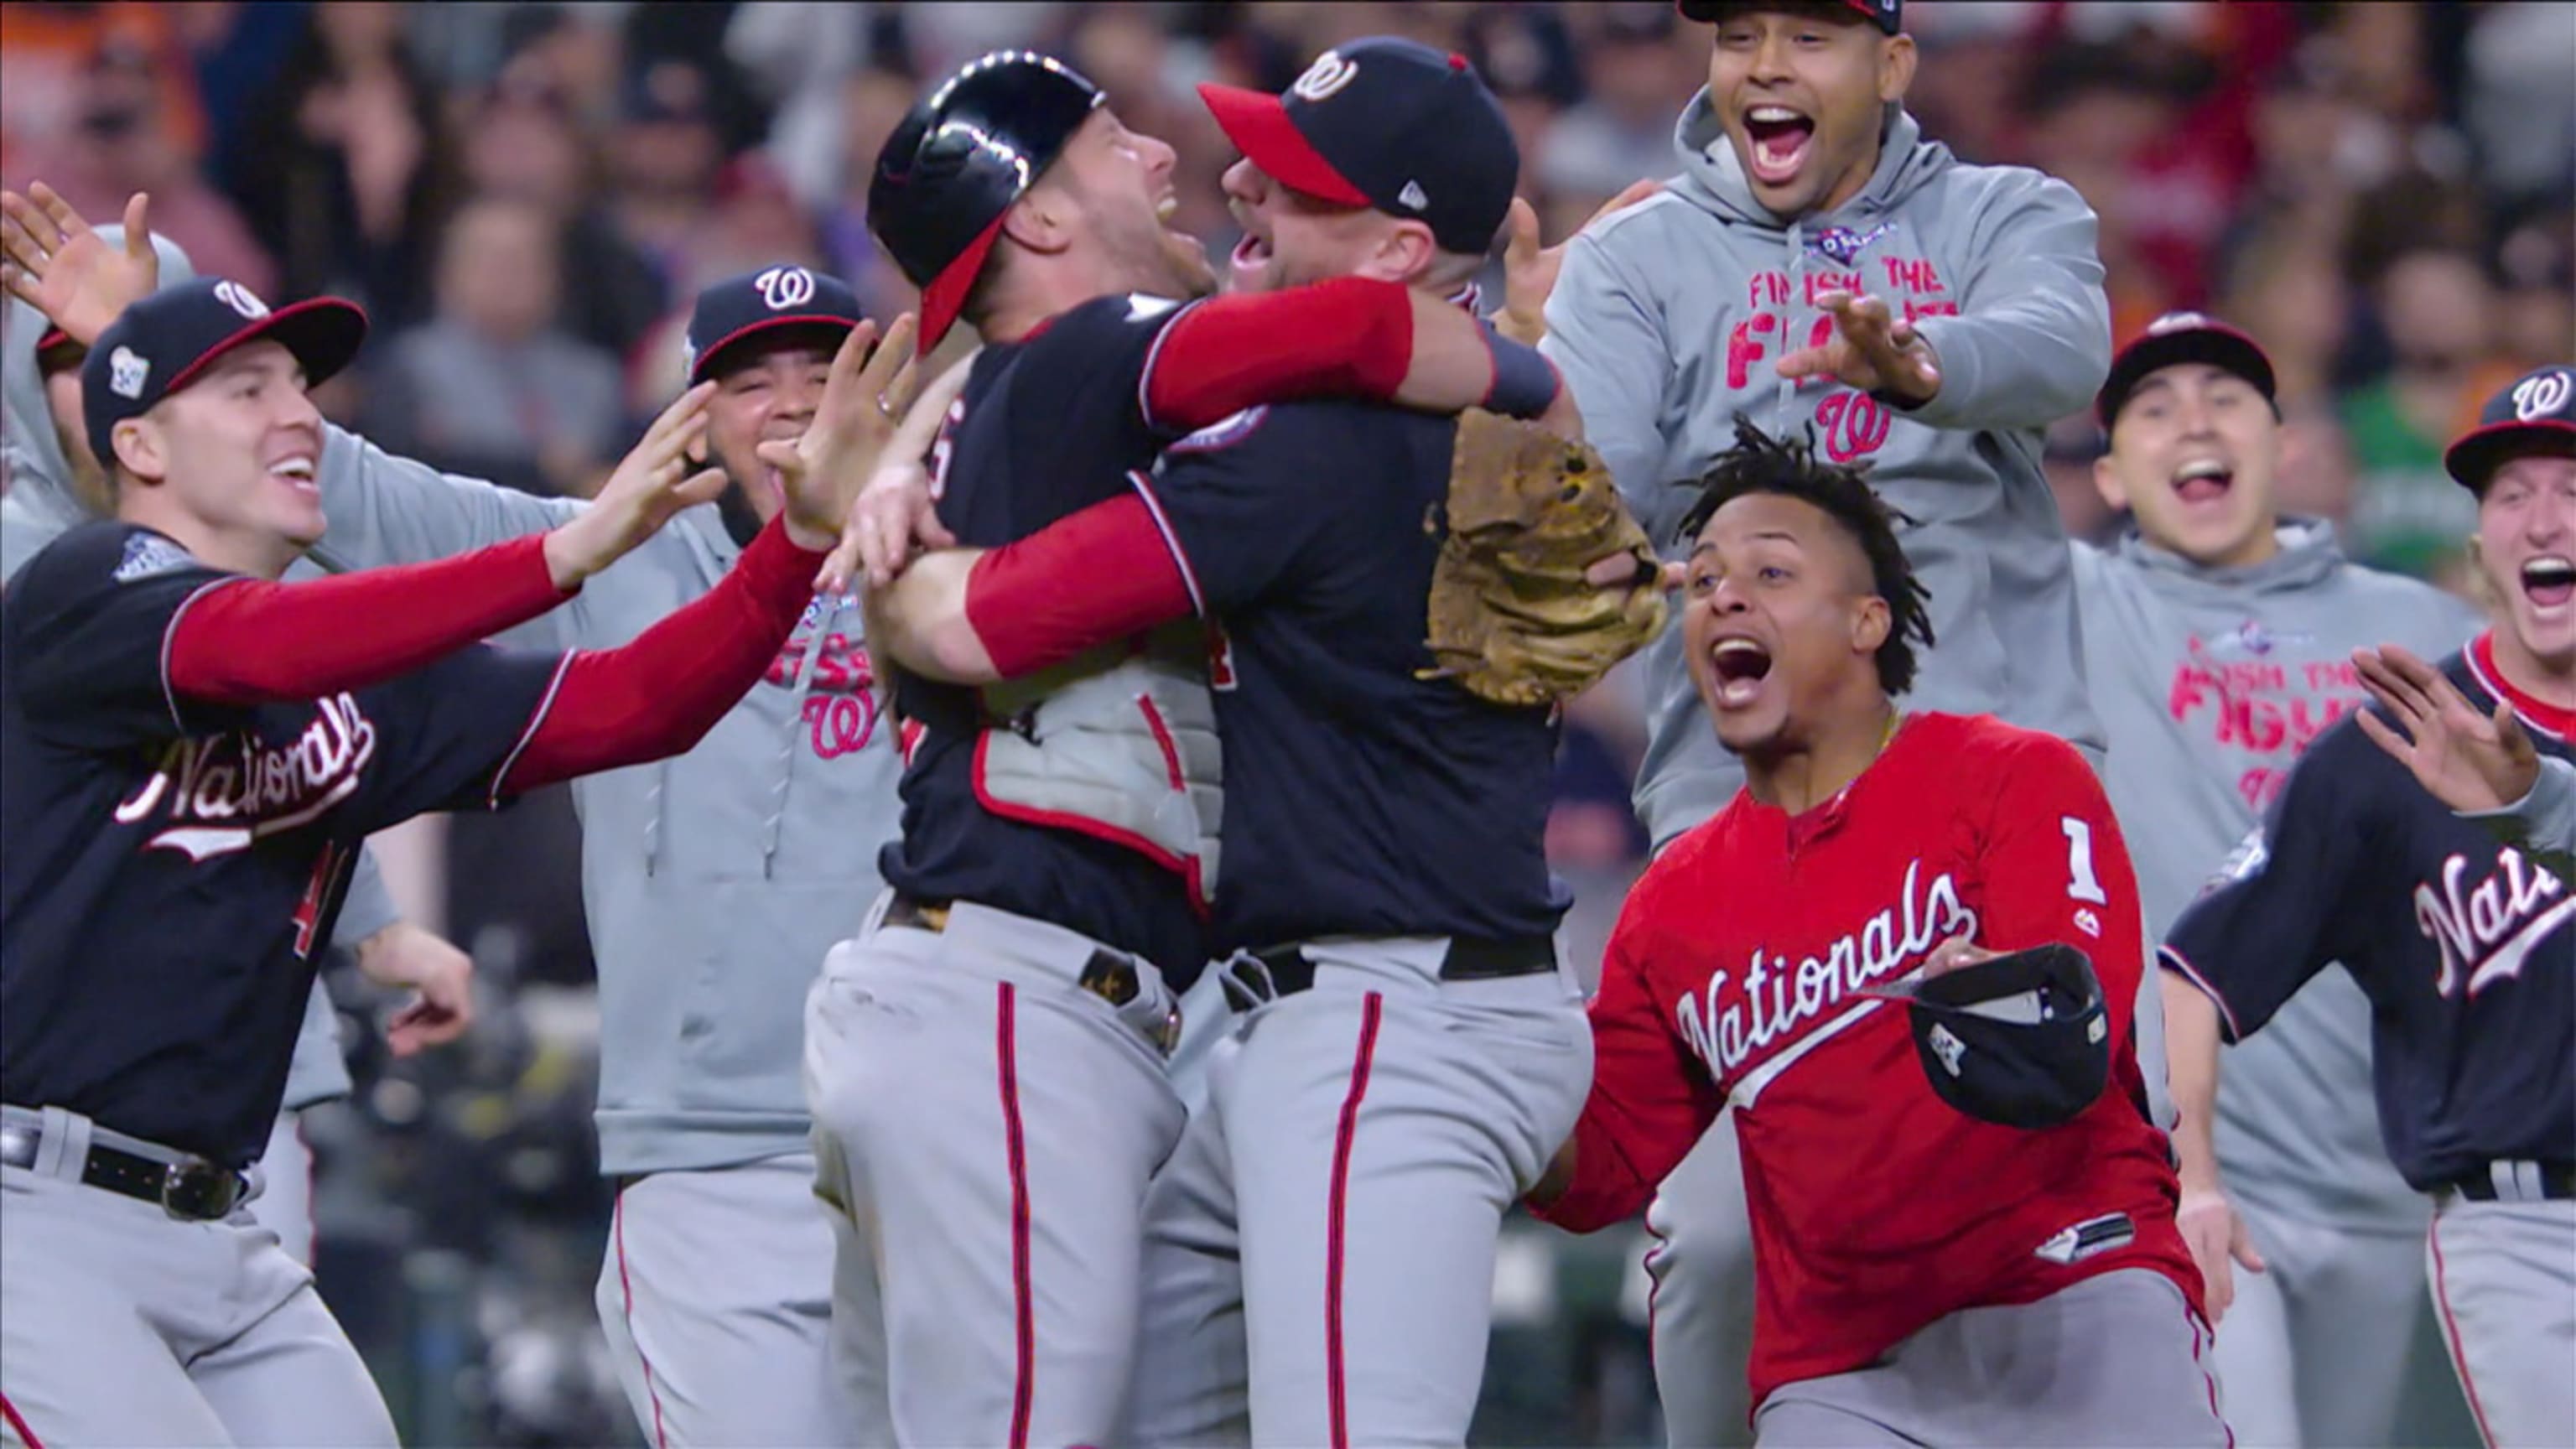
pixel 2467 760
pixel 896 515
pixel 862 400
pixel 2216 1238
pixel 51 259
pixel 440 976
pixel 651 484
pixel 1871 350
pixel 1529 270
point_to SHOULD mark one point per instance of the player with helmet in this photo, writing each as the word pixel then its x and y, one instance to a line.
pixel 987 1060
pixel 190 755
pixel 2007 1273
pixel 714 1286
pixel 2217 637
pixel 2461 944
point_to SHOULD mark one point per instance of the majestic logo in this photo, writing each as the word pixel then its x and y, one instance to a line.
pixel 1843 244
pixel 785 287
pixel 241 299
pixel 1325 77
pixel 149 554
pixel 227 792
pixel 1780 998
pixel 126 373
pixel 2541 396
pixel 2490 931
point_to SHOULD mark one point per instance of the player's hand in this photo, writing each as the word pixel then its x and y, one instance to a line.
pixel 2217 1239
pixel 2465 759
pixel 1953 954
pixel 440 976
pixel 1529 270
pixel 652 483
pixel 1870 350
pixel 896 516
pixel 864 397
pixel 51 259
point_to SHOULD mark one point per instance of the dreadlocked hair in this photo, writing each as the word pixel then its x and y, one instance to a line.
pixel 1760 463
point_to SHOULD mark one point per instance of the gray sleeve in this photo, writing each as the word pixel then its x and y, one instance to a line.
pixel 367 908
pixel 2032 340
pixel 1610 346
pixel 2543 822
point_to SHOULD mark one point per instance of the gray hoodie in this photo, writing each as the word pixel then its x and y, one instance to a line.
pixel 2542 824
pixel 715 881
pixel 2211 681
pixel 39 504
pixel 1666 322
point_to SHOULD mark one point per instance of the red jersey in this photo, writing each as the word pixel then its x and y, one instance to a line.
pixel 1732 979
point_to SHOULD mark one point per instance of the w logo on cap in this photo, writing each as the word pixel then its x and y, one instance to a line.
pixel 2542 395
pixel 785 287
pixel 241 299
pixel 1327 75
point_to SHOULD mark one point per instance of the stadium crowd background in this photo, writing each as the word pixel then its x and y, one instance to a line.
pixel 526 195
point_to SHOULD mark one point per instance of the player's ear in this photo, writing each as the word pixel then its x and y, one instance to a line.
pixel 1403 253
pixel 2106 481
pixel 1896 59
pixel 141 448
pixel 1870 624
pixel 1042 219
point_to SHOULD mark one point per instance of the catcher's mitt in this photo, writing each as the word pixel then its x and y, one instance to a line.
pixel 1512 618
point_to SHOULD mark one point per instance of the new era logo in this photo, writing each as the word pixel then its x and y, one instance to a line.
pixel 1412 196
pixel 126 373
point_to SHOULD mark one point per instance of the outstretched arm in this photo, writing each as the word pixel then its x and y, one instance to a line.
pixel 2481 765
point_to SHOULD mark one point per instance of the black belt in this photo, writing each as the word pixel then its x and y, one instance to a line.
pixel 2556 1182
pixel 1468 958
pixel 192 1189
pixel 1107 975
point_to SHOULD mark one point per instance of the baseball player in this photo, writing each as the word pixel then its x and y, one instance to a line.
pixel 2461 944
pixel 1058 846
pixel 54 484
pixel 714 1289
pixel 1407 1047
pixel 2218 638
pixel 1820 264
pixel 2482 766
pixel 1928 1277
pixel 190 754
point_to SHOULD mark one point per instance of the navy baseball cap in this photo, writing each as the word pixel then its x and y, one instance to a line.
pixel 1887 15
pixel 2183 337
pixel 2535 414
pixel 161 344
pixel 957 162
pixel 1390 124
pixel 2020 1040
pixel 738 309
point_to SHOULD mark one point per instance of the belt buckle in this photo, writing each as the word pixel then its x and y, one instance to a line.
pixel 198 1191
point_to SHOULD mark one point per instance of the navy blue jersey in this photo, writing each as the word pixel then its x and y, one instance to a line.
pixel 2465 947
pixel 1360 799
pixel 168 869
pixel 1045 428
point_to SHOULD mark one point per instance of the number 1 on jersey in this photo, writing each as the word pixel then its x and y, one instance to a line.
pixel 2081 883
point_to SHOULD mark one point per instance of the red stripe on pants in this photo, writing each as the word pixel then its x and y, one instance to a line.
pixel 1335 1231
pixel 625 1285
pixel 2451 1331
pixel 1006 1051
pixel 9 1411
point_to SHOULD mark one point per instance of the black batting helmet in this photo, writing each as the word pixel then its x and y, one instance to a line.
pixel 963 154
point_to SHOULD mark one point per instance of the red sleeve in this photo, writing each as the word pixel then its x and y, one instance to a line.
pixel 660 693
pixel 1651 1099
pixel 253 641
pixel 1096 576
pixel 1346 337
pixel 2056 870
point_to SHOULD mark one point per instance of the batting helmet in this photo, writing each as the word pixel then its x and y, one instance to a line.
pixel 962 155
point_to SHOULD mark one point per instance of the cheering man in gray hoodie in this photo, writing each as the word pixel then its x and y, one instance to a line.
pixel 2218 637
pixel 1820 265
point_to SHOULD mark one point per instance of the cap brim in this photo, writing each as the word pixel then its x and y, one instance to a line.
pixel 1258 125
pixel 741 336
pixel 2221 347
pixel 324 333
pixel 2473 458
pixel 944 296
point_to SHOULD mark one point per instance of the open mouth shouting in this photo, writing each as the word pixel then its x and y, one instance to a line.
pixel 296 471
pixel 1778 140
pixel 1253 254
pixel 2549 580
pixel 2204 480
pixel 1739 666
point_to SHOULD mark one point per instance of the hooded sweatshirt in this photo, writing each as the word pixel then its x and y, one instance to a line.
pixel 1668 317
pixel 2211 681
pixel 39 504
pixel 715 881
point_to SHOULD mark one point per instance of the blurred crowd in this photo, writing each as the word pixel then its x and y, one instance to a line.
pixel 526 196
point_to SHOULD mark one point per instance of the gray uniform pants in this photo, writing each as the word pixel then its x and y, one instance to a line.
pixel 988 1126
pixel 121 1325
pixel 1319 1259
pixel 2504 1278
pixel 2113 1360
